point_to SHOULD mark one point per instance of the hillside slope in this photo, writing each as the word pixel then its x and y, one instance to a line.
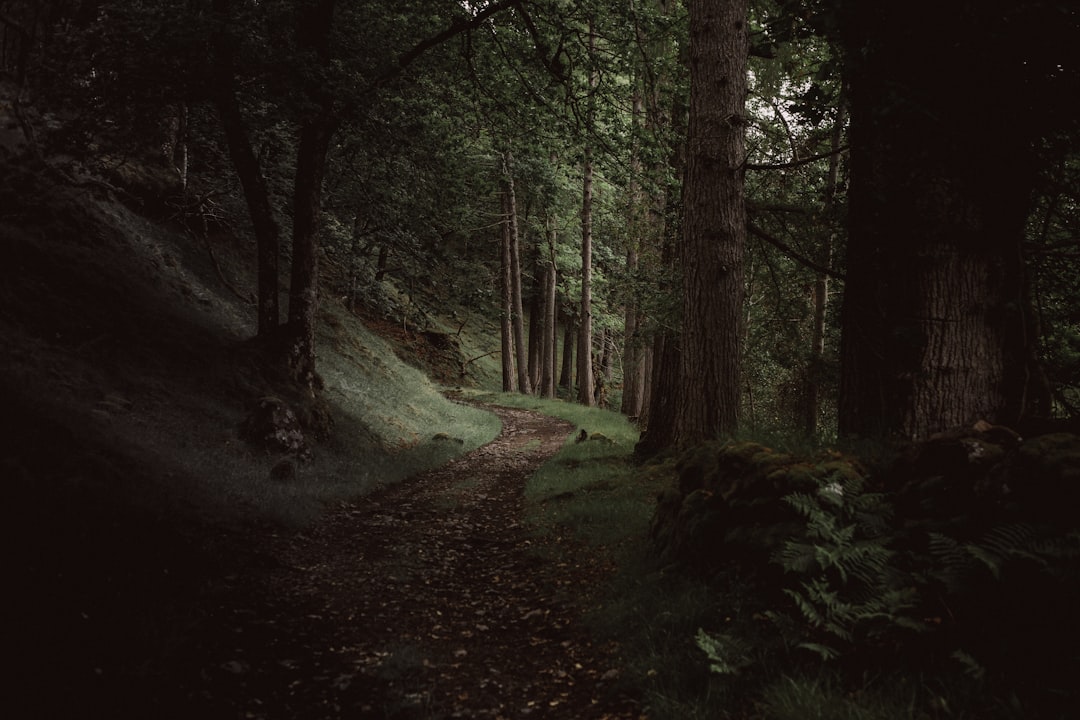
pixel 126 374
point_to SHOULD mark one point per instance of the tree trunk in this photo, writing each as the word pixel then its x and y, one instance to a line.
pixel 659 417
pixel 521 350
pixel 547 381
pixel 252 182
pixel 566 376
pixel 585 371
pixel 509 377
pixel 934 334
pixel 316 131
pixel 714 227
pixel 584 363
pixel 315 136
pixel 633 378
pixel 814 370
pixel 536 327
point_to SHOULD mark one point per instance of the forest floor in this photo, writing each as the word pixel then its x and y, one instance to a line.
pixel 428 599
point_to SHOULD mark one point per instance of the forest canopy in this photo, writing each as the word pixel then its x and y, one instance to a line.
pixel 818 216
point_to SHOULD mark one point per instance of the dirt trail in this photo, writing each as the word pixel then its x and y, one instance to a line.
pixel 428 599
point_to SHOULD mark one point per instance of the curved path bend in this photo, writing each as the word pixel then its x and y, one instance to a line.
pixel 427 599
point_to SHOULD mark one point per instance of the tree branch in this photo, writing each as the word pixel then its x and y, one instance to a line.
pixel 456 28
pixel 797 257
pixel 796 163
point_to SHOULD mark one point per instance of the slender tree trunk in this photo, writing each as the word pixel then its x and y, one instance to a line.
pixel 537 303
pixel 566 375
pixel 521 350
pixel 246 164
pixel 315 136
pixel 714 228
pixel 646 385
pixel 547 382
pixel 585 371
pixel 812 401
pixel 509 377
pixel 316 131
pixel 381 262
pixel 633 378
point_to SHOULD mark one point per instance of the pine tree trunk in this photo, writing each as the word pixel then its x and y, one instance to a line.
pixel 714 227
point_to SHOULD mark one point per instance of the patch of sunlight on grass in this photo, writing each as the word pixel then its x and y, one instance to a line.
pixel 588 486
pixel 390 422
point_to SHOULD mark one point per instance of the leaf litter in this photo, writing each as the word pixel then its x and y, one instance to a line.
pixel 427 599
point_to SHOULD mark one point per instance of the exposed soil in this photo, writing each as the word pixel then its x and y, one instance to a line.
pixel 427 599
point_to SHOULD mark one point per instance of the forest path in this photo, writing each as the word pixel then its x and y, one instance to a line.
pixel 427 599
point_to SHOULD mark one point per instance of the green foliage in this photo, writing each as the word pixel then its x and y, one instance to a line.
pixel 850 591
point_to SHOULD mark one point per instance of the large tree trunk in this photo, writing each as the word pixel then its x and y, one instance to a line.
pixel 714 228
pixel 933 314
pixel 246 164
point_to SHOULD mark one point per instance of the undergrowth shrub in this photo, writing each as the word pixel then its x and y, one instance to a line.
pixel 849 588
pixel 983 602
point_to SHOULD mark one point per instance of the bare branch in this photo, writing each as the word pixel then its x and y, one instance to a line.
pixel 787 250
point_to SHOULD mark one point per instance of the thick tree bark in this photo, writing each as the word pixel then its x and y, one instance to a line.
pixel 714 227
pixel 934 331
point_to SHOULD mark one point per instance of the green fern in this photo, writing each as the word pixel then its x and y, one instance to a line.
pixel 849 589
pixel 727 656
pixel 958 563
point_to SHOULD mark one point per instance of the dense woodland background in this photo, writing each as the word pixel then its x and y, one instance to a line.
pixel 869 213
pixel 796 224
